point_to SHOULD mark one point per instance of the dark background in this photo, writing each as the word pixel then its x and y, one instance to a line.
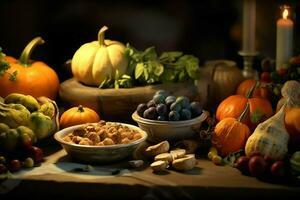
pixel 209 29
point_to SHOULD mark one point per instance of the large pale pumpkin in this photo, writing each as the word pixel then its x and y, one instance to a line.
pixel 29 77
pixel 225 77
pixel 96 61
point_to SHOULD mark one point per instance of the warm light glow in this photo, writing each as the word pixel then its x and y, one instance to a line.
pixel 285 13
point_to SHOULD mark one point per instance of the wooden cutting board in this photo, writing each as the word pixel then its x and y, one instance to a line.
pixel 119 104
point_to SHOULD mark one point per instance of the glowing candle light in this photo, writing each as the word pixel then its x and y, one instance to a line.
pixel 284 41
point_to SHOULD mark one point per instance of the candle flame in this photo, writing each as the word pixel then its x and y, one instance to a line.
pixel 285 13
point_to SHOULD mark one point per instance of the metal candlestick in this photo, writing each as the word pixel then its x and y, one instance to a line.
pixel 248 71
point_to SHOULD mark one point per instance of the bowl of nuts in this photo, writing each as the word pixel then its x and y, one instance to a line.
pixel 101 142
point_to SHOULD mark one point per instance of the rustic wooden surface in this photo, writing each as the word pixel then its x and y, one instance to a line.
pixel 205 181
pixel 119 104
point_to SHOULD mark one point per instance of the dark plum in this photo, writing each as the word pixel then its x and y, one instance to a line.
pixel 174 116
pixel 162 92
pixel 150 104
pixel 158 98
pixel 169 100
pixel 141 109
pixel 175 107
pixel 150 113
pixel 185 114
pixel 161 109
pixel 196 109
pixel 183 101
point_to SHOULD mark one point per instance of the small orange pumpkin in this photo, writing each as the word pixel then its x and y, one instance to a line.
pixel 230 134
pixel 32 78
pixel 292 125
pixel 260 108
pixel 246 85
pixel 78 115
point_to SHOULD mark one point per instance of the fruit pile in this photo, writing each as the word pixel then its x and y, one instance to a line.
pixel 25 156
pixel 259 166
pixel 23 121
pixel 276 78
pixel 165 107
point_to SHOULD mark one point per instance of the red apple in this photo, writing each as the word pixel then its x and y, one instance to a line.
pixel 257 166
pixel 278 169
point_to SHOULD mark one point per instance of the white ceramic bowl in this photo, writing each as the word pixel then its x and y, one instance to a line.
pixel 169 130
pixel 99 154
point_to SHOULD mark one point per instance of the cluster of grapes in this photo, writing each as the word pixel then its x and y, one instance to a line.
pixel 26 157
pixel 165 107
pixel 276 78
pixel 290 71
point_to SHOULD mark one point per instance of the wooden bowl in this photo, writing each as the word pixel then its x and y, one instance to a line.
pixel 119 104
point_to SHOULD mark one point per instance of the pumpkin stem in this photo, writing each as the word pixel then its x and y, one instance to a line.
pixel 250 92
pixel 25 56
pixel 243 114
pixel 101 36
pixel 80 108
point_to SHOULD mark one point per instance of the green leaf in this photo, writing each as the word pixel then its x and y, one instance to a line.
pixel 181 76
pixel 106 83
pixel 149 54
pixel 117 74
pixel 167 76
pixel 170 56
pixel 139 69
pixel 158 68
pixel 146 74
pixel 256 116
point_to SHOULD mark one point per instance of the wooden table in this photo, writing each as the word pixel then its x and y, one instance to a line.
pixel 205 181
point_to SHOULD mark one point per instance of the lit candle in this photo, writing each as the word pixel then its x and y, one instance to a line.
pixel 249 13
pixel 284 43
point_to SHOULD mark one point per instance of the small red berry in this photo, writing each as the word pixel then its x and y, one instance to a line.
pixel 282 72
pixel 14 165
pixel 265 77
pixel 36 154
